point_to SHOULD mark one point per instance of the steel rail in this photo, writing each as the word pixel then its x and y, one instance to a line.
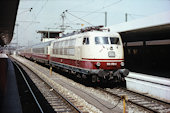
pixel 131 93
pixel 74 108
pixel 32 93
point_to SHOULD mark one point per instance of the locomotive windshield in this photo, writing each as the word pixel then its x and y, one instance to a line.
pixel 101 40
pixel 114 40
pixel 85 41
pixel 106 40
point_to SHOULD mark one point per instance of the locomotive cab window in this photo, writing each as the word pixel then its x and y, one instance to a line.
pixel 85 41
pixel 101 40
pixel 114 40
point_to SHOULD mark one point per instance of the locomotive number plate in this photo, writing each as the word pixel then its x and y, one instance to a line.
pixel 111 54
pixel 111 64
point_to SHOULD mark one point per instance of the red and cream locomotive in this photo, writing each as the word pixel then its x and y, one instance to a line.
pixel 92 53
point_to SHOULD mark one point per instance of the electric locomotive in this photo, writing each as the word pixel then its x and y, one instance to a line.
pixel 92 54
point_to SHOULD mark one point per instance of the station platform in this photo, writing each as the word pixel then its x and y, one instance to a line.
pixel 150 85
pixel 9 96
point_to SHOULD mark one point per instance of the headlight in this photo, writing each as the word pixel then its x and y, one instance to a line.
pixel 98 64
pixel 122 64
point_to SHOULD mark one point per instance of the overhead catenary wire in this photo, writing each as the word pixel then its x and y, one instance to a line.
pixel 86 11
pixel 42 7
pixel 97 11
pixel 114 3
pixel 29 9
pixel 31 23
pixel 133 16
pixel 78 17
pixel 70 22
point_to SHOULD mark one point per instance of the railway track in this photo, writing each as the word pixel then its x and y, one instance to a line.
pixel 35 104
pixel 57 101
pixel 140 101
pixel 148 103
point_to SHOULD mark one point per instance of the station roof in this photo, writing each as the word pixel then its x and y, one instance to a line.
pixel 52 34
pixel 8 12
pixel 156 27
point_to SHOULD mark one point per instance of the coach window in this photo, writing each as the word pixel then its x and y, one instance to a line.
pixel 60 43
pixel 85 41
pixel 67 43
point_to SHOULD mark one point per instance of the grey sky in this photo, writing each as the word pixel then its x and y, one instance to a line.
pixel 47 14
